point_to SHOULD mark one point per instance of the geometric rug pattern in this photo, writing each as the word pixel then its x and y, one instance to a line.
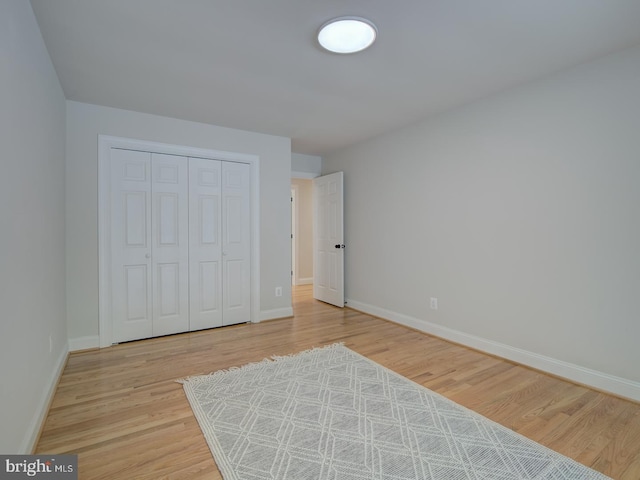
pixel 330 413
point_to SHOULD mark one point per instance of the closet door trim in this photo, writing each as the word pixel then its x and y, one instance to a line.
pixel 105 144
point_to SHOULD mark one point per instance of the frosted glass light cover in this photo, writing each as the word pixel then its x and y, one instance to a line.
pixel 347 35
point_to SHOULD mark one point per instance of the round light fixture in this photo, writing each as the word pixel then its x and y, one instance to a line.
pixel 347 34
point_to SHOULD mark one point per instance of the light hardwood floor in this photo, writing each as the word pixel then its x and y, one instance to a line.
pixel 121 411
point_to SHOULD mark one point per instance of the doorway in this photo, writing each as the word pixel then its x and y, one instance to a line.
pixel 301 231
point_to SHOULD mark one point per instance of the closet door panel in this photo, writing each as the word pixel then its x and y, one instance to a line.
pixel 131 277
pixel 170 250
pixel 209 287
pixel 136 294
pixel 236 246
pixel 205 243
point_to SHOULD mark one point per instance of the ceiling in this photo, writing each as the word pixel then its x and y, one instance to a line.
pixel 255 64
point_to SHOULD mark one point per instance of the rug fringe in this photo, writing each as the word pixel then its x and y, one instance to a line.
pixel 276 358
pixel 221 373
pixel 194 379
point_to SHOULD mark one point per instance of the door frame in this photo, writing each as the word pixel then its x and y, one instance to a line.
pixel 294 234
pixel 105 144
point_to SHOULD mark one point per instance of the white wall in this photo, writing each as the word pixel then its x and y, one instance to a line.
pixel 520 213
pixel 32 272
pixel 84 124
pixel 305 166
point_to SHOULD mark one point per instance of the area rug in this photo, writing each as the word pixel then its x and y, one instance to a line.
pixel 330 413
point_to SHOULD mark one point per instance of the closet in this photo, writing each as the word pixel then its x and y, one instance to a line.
pixel 179 243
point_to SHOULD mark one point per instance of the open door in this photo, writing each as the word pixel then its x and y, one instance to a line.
pixel 328 239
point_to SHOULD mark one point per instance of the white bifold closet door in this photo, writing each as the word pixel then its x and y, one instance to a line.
pixel 180 246
pixel 219 246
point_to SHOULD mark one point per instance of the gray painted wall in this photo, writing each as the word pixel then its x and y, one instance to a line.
pixel 520 213
pixel 32 223
pixel 308 165
pixel 84 124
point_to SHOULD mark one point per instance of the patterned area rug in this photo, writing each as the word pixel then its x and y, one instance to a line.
pixel 330 413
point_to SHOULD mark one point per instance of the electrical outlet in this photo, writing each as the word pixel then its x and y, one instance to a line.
pixel 434 303
pixel 278 291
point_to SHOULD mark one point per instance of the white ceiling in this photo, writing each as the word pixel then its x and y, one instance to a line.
pixel 255 64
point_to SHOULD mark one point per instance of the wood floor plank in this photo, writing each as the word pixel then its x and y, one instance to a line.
pixel 122 412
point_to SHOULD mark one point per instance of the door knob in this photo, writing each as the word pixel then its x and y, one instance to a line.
pixel 148 255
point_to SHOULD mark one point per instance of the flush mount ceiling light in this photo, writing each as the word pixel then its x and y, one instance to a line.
pixel 347 34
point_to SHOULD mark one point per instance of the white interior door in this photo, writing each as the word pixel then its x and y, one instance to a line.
pixel 131 273
pixel 205 243
pixel 328 245
pixel 236 243
pixel 170 245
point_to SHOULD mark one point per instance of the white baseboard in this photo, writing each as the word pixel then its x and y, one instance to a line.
pixel 305 281
pixel 84 343
pixel 33 431
pixel 276 313
pixel 575 373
